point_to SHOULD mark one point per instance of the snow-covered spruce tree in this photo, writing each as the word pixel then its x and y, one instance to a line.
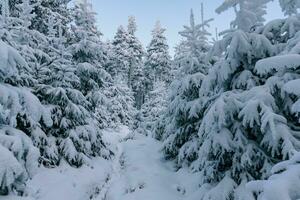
pixel 178 127
pixel 31 43
pixel 246 127
pixel 194 44
pixel 119 97
pixel 87 46
pixel 281 74
pixel 75 135
pixel 158 61
pixel 135 70
pixel 152 110
pixel 33 46
pixel 157 71
pixel 58 9
pixel 120 56
pixel 119 103
pixel 249 14
pixel 20 111
pixel 90 56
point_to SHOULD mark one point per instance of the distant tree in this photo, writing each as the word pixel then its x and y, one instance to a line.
pixel 120 55
pixel 193 47
pixel 158 61
pixel 135 71
pixel 154 107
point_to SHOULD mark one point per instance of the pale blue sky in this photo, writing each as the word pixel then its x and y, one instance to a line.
pixel 173 14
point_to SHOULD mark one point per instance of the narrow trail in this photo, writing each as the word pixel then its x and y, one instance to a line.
pixel 114 140
pixel 139 172
pixel 115 173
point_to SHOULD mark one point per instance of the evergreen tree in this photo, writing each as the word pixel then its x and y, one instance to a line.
pixel 117 108
pixel 135 71
pixel 280 74
pixel 194 44
pixel 58 9
pixel 89 54
pixel 75 135
pixel 183 113
pixel 120 57
pixel 246 128
pixel 229 92
pixel 87 46
pixel 149 117
pixel 20 114
pixel 158 61
pixel 249 14
pixel 31 43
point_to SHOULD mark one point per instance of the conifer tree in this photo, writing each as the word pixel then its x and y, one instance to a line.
pixel 280 74
pixel 183 113
pixel 149 117
pixel 120 57
pixel 89 54
pixel 244 130
pixel 59 9
pixel 194 44
pixel 75 130
pixel 158 61
pixel 249 14
pixel 135 70
pixel 20 114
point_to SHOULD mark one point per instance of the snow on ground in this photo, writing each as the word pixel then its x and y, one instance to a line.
pixel 144 174
pixel 137 171
pixel 66 183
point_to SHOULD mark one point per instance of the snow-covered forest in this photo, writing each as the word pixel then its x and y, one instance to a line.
pixel 82 118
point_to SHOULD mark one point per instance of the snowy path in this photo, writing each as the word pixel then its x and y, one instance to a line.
pixel 142 174
pixel 137 172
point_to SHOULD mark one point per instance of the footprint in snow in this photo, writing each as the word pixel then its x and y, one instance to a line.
pixel 139 186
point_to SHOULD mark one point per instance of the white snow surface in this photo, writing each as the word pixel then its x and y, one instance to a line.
pixel 292 87
pixel 277 63
pixel 137 171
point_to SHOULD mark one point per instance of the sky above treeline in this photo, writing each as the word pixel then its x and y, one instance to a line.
pixel 173 14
